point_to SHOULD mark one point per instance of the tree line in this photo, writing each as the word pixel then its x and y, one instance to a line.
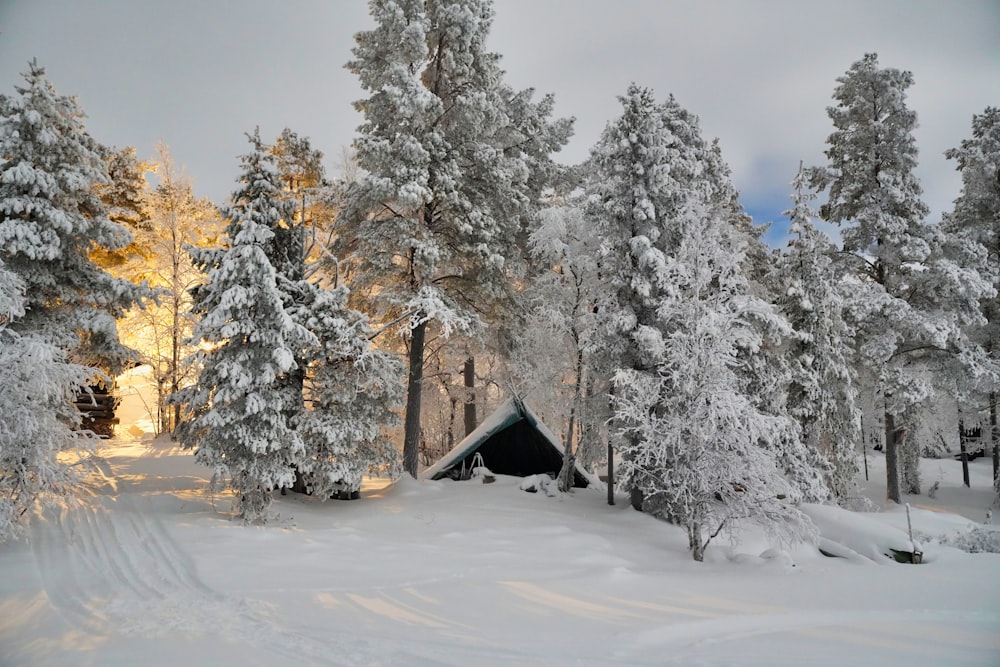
pixel 302 331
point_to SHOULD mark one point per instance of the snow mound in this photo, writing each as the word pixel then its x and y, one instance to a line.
pixel 849 534
pixel 542 483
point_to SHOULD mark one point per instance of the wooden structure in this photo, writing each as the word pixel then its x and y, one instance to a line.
pixel 97 409
pixel 511 441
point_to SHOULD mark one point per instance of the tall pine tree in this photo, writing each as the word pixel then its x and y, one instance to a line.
pixel 912 300
pixel 975 226
pixel 124 196
pixel 453 161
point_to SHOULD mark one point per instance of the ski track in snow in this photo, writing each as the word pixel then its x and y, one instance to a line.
pixel 108 567
pixel 897 629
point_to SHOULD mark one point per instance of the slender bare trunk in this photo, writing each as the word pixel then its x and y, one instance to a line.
pixel 611 474
pixel 469 376
pixel 891 459
pixel 414 382
pixel 450 436
pixel 636 497
pixel 175 322
pixel 963 452
pixel 569 456
pixel 994 436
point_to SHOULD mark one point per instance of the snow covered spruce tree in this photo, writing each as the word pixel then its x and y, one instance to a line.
pixel 351 392
pixel 241 407
pixel 57 308
pixel 39 386
pixel 51 219
pixel 823 392
pixel 975 228
pixel 452 162
pixel 629 196
pixel 288 389
pixel 693 440
pixel 912 301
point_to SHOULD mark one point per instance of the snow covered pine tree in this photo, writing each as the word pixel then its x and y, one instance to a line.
pixel 823 391
pixel 240 406
pixel 288 382
pixel 974 225
pixel 39 386
pixel 691 436
pixel 352 392
pixel 50 220
pixel 453 162
pixel 911 302
pixel 57 307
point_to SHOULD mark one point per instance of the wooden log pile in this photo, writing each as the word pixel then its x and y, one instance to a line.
pixel 97 409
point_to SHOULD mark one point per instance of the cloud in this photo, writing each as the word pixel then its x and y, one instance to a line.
pixel 758 74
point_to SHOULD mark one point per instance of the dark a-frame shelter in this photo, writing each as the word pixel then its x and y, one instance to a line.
pixel 511 441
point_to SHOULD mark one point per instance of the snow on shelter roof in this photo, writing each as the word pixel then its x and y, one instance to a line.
pixel 509 415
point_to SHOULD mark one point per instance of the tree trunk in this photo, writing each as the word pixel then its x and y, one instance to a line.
pixel 891 459
pixel 451 424
pixel 636 498
pixel 963 453
pixel 414 384
pixel 695 543
pixel 295 382
pixel 908 453
pixel 469 375
pixel 175 324
pixel 611 473
pixel 569 457
pixel 864 446
pixel 994 436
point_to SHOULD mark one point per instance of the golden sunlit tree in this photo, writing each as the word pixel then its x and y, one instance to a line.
pixel 176 219
pixel 124 197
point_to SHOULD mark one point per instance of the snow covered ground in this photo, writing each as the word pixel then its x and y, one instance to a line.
pixel 147 569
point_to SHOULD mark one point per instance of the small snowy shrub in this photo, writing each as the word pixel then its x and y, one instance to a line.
pixel 980 539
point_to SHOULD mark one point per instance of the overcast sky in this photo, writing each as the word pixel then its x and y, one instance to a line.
pixel 760 74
